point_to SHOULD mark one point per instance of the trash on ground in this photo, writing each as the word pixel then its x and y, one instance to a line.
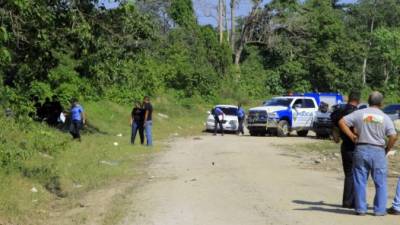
pixel 116 144
pixel 34 190
pixel 77 185
pixel 44 155
pixel 163 116
pixel 119 135
pixel 109 163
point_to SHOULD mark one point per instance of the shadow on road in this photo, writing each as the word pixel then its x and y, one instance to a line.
pixel 323 207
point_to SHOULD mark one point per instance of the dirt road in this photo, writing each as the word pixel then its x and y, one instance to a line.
pixel 240 180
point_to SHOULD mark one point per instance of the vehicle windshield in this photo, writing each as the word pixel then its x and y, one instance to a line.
pixel 229 111
pixel 279 102
pixel 391 109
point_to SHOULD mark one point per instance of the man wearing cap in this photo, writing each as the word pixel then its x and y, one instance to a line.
pixel 371 127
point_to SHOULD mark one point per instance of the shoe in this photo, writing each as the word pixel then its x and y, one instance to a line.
pixel 347 206
pixel 393 211
pixel 361 213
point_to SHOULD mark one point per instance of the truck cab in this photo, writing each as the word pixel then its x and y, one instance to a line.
pixel 281 115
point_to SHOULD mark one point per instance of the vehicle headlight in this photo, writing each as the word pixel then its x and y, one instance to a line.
pixel 273 115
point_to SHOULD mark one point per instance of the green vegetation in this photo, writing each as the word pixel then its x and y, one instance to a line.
pixel 109 57
pixel 82 49
pixel 34 155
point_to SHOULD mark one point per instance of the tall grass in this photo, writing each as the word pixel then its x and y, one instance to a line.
pixel 41 164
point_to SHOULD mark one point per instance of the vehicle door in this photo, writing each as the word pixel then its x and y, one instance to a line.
pixel 310 109
pixel 303 112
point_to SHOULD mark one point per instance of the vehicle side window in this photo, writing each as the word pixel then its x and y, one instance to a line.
pixel 298 102
pixel 308 104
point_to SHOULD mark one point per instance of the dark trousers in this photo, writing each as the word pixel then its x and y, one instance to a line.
pixel 75 128
pixel 137 127
pixel 241 130
pixel 348 190
pixel 218 122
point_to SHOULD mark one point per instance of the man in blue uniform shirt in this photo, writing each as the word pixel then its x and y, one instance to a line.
pixel 241 116
pixel 77 119
pixel 218 121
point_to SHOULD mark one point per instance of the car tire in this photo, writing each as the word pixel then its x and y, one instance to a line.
pixel 323 135
pixel 302 133
pixel 283 128
pixel 253 133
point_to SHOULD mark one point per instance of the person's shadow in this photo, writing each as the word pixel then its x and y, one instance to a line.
pixel 323 207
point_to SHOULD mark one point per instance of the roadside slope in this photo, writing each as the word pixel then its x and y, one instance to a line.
pixel 239 180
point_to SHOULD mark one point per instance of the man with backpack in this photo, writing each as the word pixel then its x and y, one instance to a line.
pixel 347 148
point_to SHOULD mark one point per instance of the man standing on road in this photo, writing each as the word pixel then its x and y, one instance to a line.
pixel 371 127
pixel 241 116
pixel 218 121
pixel 347 148
pixel 148 123
pixel 395 209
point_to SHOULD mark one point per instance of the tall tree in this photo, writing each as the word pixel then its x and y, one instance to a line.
pixel 220 20
pixel 233 5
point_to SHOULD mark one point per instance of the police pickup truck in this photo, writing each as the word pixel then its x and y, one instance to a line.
pixel 281 115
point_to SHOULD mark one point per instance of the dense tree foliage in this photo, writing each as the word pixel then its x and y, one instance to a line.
pixel 81 49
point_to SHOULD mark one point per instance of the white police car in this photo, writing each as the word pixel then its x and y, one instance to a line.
pixel 281 115
pixel 230 121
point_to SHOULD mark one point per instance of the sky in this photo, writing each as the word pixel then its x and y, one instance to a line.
pixel 206 9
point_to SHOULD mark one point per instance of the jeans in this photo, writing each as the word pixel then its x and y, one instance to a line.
pixel 135 128
pixel 218 122
pixel 370 159
pixel 148 129
pixel 74 129
pixel 396 201
pixel 348 189
pixel 241 130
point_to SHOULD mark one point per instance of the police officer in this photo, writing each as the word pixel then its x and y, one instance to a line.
pixel 347 148
pixel 371 127
pixel 218 121
pixel 241 116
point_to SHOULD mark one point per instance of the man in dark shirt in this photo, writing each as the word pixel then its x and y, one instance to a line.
pixel 347 148
pixel 55 110
pixel 148 123
pixel 137 122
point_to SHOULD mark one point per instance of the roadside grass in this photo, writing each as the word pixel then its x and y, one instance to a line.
pixel 58 172
pixel 324 147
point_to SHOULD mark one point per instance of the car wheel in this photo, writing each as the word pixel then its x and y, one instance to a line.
pixel 302 133
pixel 283 128
pixel 322 135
